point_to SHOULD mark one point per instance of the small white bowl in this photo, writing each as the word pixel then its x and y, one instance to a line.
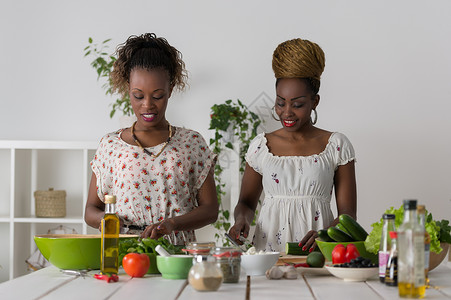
pixel 353 274
pixel 257 264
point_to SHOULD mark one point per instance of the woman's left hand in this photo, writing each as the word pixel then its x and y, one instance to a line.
pixel 308 242
pixel 155 231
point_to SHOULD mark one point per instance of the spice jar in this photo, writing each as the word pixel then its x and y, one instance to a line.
pixel 229 260
pixel 205 275
pixel 202 248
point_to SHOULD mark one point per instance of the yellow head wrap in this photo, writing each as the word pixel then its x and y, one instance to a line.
pixel 298 58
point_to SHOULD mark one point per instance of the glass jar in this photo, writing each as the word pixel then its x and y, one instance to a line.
pixel 205 275
pixel 229 260
pixel 202 248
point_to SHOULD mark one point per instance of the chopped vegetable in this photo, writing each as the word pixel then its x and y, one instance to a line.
pixel 107 278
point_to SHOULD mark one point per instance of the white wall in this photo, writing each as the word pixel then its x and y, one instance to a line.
pixel 386 84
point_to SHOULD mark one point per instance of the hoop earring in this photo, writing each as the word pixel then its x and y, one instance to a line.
pixel 273 110
pixel 316 117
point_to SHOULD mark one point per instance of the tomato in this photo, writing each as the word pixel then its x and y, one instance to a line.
pixel 351 252
pixel 135 264
pixel 342 254
pixel 339 254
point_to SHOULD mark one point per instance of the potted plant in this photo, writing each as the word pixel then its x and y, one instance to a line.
pixel 240 124
pixel 103 64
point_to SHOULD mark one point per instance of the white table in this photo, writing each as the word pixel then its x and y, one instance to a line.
pixel 50 283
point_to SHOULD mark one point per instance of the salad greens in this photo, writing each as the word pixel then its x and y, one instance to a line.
pixel 439 231
pixel 145 245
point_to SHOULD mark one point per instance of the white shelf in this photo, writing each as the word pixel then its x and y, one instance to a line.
pixel 66 220
pixel 57 145
pixel 27 166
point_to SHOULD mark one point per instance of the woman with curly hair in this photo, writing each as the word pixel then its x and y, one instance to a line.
pixel 162 175
pixel 297 166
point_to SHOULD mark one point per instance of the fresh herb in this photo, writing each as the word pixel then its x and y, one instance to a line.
pixel 439 231
pixel 146 245
pixel 445 231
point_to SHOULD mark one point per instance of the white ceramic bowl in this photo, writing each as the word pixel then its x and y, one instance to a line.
pixel 257 264
pixel 353 274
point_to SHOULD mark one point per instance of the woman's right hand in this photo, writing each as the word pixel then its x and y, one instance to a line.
pixel 241 227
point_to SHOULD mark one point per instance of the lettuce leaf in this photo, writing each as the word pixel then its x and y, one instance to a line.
pixel 373 239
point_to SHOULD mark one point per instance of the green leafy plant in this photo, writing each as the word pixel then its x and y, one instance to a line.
pixel 103 64
pixel 439 231
pixel 243 123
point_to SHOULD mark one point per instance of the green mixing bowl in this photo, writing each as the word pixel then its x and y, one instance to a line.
pixel 174 266
pixel 327 247
pixel 72 251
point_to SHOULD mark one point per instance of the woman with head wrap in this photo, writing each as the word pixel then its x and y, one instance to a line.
pixel 298 166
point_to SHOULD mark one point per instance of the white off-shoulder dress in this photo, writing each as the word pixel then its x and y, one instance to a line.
pixel 297 190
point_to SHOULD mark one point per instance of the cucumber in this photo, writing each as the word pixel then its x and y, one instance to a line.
pixel 354 228
pixel 339 235
pixel 342 228
pixel 322 234
pixel 294 249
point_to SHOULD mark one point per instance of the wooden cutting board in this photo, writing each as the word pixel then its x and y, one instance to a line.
pixel 288 258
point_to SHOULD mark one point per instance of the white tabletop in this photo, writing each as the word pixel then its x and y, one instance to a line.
pixel 50 283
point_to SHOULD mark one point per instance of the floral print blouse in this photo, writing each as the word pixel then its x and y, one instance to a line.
pixel 149 190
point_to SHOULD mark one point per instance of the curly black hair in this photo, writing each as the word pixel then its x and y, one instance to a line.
pixel 149 52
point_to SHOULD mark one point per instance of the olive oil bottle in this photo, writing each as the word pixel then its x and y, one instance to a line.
pixel 109 253
pixel 411 281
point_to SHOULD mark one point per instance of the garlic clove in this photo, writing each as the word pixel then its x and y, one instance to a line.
pixel 290 274
pixel 274 273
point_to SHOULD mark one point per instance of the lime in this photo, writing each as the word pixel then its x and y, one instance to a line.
pixel 316 259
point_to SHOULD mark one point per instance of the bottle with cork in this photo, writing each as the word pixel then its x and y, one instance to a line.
pixel 110 227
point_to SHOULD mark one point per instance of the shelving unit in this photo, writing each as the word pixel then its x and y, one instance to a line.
pixel 27 166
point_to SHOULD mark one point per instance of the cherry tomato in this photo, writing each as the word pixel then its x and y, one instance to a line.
pixel 351 252
pixel 339 254
pixel 135 264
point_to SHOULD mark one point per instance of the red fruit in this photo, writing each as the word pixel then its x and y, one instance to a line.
pixel 304 265
pixel 135 264
pixel 339 254
pixel 351 252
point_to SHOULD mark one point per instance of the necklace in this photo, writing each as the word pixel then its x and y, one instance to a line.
pixel 144 149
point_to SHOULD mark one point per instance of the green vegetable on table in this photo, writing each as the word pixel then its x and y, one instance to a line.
pixel 439 231
pixel 145 245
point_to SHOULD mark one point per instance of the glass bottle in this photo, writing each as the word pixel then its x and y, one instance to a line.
pixel 421 210
pixel 411 282
pixel 110 228
pixel 385 244
pixel 205 275
pixel 229 260
pixel 391 272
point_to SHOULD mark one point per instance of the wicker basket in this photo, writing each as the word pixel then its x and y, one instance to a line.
pixel 50 204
